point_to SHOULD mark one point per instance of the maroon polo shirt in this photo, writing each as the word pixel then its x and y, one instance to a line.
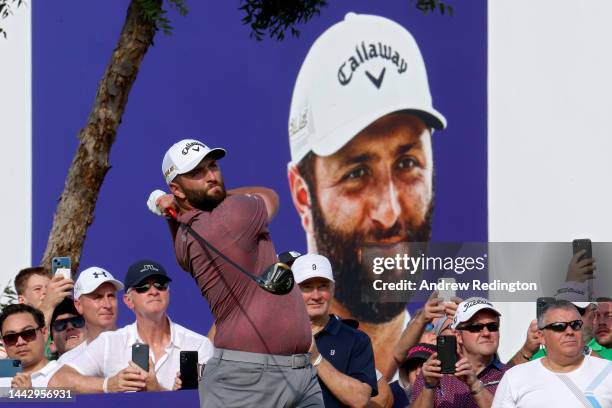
pixel 453 392
pixel 247 317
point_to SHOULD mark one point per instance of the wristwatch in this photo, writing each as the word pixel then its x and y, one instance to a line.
pixel 479 387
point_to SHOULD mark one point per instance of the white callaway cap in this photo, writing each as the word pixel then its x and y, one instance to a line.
pixel 310 266
pixel 183 156
pixel 91 278
pixel 469 307
pixel 357 71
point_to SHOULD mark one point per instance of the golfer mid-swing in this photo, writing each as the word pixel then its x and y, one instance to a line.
pixel 262 339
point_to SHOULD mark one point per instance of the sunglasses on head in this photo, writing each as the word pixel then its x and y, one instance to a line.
pixel 561 326
pixel 143 288
pixel 61 324
pixel 28 335
pixel 478 327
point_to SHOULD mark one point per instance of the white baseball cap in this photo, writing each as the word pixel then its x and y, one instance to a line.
pixel 183 156
pixel 469 307
pixel 91 278
pixel 357 71
pixel 310 266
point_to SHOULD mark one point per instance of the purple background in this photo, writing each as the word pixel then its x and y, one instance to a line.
pixel 210 81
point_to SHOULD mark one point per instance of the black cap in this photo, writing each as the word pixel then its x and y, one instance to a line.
pixel 65 306
pixel 142 270
pixel 418 354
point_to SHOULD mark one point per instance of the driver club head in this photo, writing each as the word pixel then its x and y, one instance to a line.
pixel 277 279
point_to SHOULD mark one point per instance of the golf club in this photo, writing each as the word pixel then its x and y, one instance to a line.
pixel 276 279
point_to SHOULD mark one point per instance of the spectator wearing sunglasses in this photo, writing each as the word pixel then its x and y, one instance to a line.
pixel 478 369
pixel 532 350
pixel 67 328
pixel 24 335
pixel 565 377
pixel 106 366
pixel 95 298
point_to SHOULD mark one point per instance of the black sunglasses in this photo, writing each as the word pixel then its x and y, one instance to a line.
pixel 561 326
pixel 161 286
pixel 28 335
pixel 61 324
pixel 478 327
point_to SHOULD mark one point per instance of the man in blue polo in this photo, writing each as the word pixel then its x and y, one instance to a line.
pixel 343 355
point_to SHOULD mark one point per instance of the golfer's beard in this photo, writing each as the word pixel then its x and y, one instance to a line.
pixel 204 201
pixel 351 275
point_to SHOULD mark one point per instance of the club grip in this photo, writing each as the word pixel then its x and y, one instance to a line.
pixel 172 213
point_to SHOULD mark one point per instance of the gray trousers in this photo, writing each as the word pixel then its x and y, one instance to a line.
pixel 262 380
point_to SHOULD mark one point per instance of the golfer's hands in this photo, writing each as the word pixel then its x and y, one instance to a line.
pixel 161 203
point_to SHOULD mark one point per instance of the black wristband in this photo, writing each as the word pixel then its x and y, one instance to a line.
pixel 429 386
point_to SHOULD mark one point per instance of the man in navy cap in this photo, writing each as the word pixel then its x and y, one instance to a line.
pixel 106 366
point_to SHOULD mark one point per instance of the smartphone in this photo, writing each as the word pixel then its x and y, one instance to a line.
pixel 189 370
pixel 60 265
pixel 448 293
pixel 447 353
pixel 540 303
pixel 140 355
pixel 577 245
pixel 9 368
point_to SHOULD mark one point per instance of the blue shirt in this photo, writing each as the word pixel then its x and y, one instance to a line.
pixel 350 351
pixel 400 399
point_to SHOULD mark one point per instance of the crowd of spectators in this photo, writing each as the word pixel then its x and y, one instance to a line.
pixel 65 335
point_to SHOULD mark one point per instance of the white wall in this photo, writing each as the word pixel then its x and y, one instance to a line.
pixel 550 146
pixel 15 143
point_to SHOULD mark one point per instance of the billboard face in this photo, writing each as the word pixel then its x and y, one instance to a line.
pixel 349 146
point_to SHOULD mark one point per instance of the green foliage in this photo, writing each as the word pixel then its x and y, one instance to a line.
pixel 154 12
pixel 8 295
pixel 432 5
pixel 277 16
pixel 6 10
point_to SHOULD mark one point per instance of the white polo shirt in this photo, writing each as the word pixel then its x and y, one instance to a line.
pixel 71 354
pixel 111 352
pixel 39 378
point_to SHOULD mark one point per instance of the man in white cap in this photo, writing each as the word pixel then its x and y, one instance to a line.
pixel 565 377
pixel 253 345
pixel 343 355
pixel 478 369
pixel 95 298
pixel 361 170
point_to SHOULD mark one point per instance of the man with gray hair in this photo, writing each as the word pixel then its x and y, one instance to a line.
pixel 361 170
pixel 565 377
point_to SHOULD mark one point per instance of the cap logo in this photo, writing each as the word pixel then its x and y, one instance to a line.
pixel 314 267
pixel 195 146
pixel 149 267
pixel 98 274
pixel 476 302
pixel 376 81
pixel 299 123
pixel 364 53
pixel 170 170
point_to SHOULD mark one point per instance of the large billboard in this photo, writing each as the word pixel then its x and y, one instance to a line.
pixel 381 175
